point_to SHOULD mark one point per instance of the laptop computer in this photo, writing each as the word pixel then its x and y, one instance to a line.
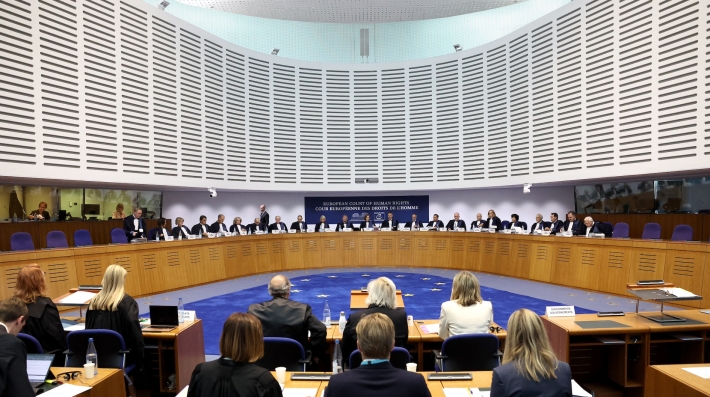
pixel 38 368
pixel 162 319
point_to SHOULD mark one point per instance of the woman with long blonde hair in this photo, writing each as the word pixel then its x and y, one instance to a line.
pixel 530 367
pixel 114 309
pixel 466 312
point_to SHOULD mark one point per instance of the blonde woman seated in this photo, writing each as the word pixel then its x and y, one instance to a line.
pixel 530 368
pixel 234 374
pixel 114 309
pixel 381 298
pixel 466 312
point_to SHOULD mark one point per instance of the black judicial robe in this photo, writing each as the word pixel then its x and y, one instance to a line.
pixel 227 378
pixel 44 324
pixel 124 321
pixel 13 367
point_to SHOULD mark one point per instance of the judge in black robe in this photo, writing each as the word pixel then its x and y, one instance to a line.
pixel 13 367
pixel 226 378
pixel 44 324
pixel 124 321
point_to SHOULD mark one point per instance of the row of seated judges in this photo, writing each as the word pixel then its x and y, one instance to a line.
pixel 134 225
pixel 529 364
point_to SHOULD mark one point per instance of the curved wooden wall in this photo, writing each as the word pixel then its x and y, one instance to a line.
pixel 602 265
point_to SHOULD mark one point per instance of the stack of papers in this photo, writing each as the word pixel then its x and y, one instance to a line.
pixel 577 390
pixel 67 390
pixel 678 292
pixel 703 372
pixel 430 328
pixel 78 298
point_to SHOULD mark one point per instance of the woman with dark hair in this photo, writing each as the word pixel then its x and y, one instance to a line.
pixel 234 373
pixel 162 231
pixel 43 317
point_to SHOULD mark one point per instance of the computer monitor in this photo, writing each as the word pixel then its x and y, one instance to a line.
pixel 164 316
pixel 90 209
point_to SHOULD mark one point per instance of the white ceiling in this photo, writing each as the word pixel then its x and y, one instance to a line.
pixel 351 11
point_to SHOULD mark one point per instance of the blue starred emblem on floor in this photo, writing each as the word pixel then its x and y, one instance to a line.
pixel 366 275
pixel 332 276
pixel 435 289
pixel 295 290
pixel 426 278
pixel 305 280
pixel 408 294
pixel 399 275
pixel 440 283
pixel 322 296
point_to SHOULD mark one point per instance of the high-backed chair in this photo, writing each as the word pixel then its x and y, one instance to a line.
pixel 31 343
pixel 524 225
pixel 57 239
pixel 21 241
pixel 398 358
pixel 283 352
pixel 504 224
pixel 118 236
pixel 682 233
pixel 468 352
pixel 621 230
pixel 151 233
pixel 110 349
pixel 82 238
pixel 651 231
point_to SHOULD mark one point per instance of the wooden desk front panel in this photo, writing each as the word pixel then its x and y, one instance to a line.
pixel 604 265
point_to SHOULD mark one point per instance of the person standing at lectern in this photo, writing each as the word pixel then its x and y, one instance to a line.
pixel 134 225
pixel 479 222
pixel 414 222
pixel 493 221
pixel 343 224
pixel 322 225
pixel 555 223
pixel 435 223
pixel 180 229
pixel 218 226
pixel 237 226
pixel 367 223
pixel 40 214
pixel 201 228
pixel 263 216
pixel 278 225
pixel 299 225
pixel 538 225
pixel 391 222
pixel 456 223
pixel 256 226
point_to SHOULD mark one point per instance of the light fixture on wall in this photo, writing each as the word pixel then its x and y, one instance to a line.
pixel 526 187
pixel 213 192
pixel 275 51
pixel 457 47
pixel 163 4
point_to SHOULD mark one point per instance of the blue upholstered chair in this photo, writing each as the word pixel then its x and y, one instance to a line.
pixel 57 239
pixel 682 233
pixel 651 231
pixel 21 241
pixel 283 352
pixel 621 230
pixel 82 238
pixel 118 236
pixel 31 343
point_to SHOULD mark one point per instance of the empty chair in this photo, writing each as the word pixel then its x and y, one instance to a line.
pixel 283 352
pixel 651 231
pixel 505 224
pixel 682 233
pixel 524 225
pixel 31 343
pixel 469 352
pixel 57 239
pixel 110 349
pixel 151 233
pixel 82 238
pixel 118 236
pixel 21 241
pixel 398 358
pixel 621 230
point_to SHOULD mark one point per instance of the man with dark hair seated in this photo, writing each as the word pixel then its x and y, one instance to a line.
pixel 13 355
pixel 376 376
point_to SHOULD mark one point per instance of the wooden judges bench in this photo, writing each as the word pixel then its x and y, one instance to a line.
pixel 603 265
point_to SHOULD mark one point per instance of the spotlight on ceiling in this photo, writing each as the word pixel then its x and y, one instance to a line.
pixel 275 51
pixel 163 4
pixel 457 47
pixel 526 187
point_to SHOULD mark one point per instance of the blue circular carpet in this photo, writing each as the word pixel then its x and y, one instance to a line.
pixel 422 294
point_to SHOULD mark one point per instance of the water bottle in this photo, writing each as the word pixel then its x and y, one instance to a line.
pixel 337 358
pixel 92 357
pixel 326 314
pixel 14 217
pixel 181 311
pixel 341 323
pixel 157 237
pixel 180 235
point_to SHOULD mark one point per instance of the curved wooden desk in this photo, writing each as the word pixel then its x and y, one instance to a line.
pixel 602 265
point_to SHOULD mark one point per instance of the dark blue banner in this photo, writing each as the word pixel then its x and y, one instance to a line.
pixel 355 208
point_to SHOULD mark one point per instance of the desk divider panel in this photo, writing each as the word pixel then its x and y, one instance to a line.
pixel 423 252
pixel 441 251
pixel 504 258
pixel 348 251
pixel 366 249
pixel 277 254
pixel 541 262
pixel 615 266
pixel 586 266
pixel 312 253
pixel 488 256
pixel 294 254
pixel 405 249
pixel 472 257
pixel 173 265
pixel 457 253
pixel 153 265
pixel 563 259
pixel 387 250
pixel 124 255
pixel 60 271
pixel 685 269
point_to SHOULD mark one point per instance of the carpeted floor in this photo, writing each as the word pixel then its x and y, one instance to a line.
pixel 423 295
